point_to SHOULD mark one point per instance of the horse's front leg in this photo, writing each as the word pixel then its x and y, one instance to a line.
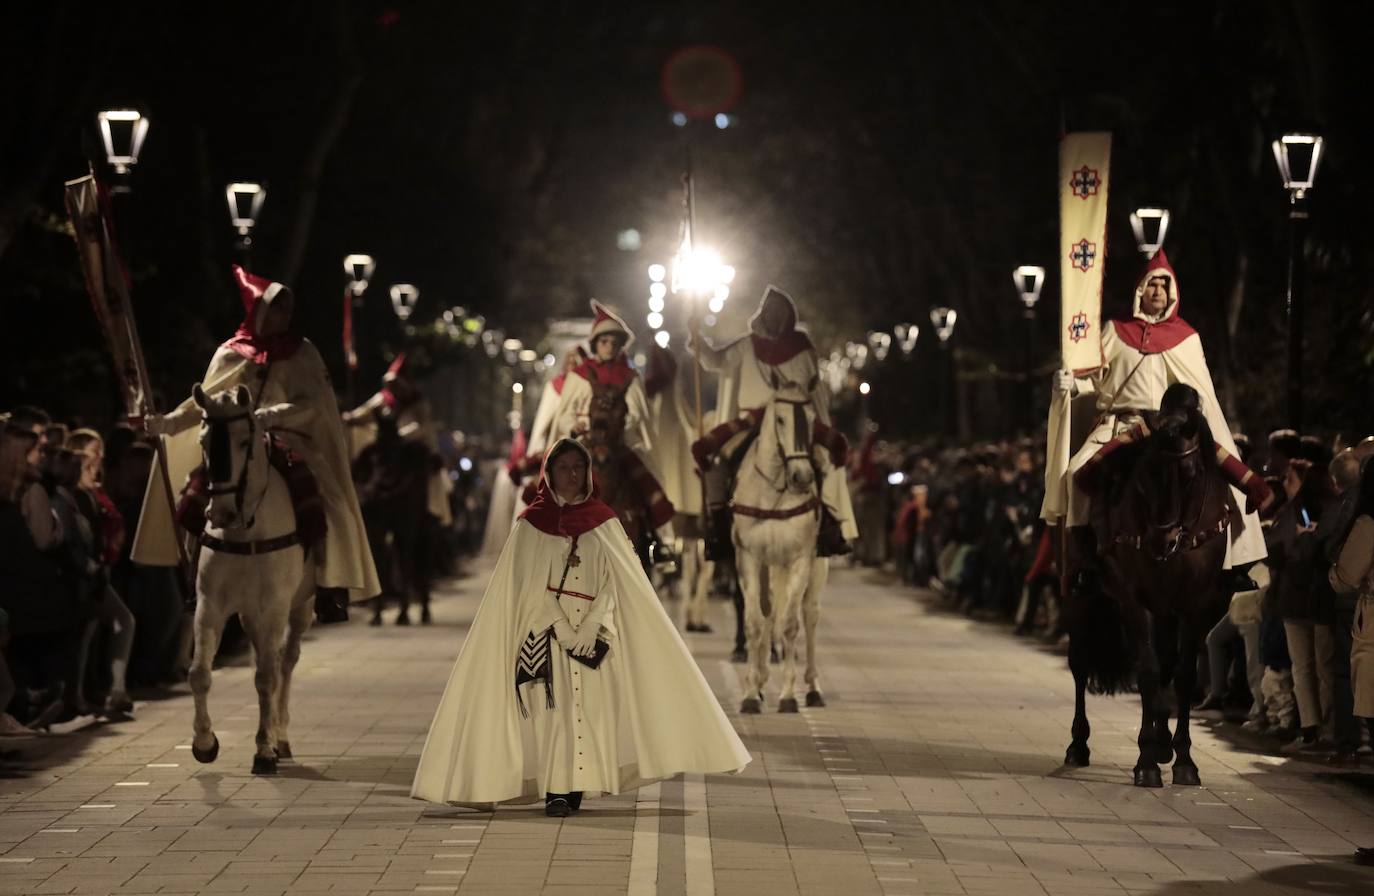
pixel 266 630
pixel 756 630
pixel 1078 753
pixel 811 618
pixel 787 622
pixel 1146 772
pixel 302 614
pixel 699 583
pixel 1185 679
pixel 209 625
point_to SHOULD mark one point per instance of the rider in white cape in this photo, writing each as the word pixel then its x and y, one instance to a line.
pixel 568 576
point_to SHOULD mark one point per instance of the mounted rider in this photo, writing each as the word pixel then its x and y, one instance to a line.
pixel 775 356
pixel 292 399
pixel 1141 357
pixel 595 395
pixel 401 399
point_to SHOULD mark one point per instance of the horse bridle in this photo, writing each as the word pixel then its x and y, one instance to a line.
pixel 800 443
pixel 240 486
pixel 1177 533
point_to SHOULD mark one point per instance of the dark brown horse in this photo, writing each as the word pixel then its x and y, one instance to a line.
pixel 1161 522
pixel 614 466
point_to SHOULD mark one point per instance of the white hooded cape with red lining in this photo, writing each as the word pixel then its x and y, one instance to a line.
pixel 299 394
pixel 1143 356
pixel 482 749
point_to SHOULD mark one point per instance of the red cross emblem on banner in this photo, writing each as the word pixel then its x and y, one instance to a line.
pixel 1078 327
pixel 1083 254
pixel 1084 182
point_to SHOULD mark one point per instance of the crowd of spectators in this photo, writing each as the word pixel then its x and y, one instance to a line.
pixel 82 626
pixel 964 522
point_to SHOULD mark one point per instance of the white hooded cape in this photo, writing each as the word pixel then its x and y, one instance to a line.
pixel 482 750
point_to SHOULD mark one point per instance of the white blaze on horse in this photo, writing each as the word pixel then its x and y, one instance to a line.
pixel 776 502
pixel 251 563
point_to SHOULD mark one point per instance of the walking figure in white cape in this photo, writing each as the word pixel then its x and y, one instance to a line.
pixel 572 679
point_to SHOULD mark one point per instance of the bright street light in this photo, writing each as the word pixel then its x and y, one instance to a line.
pixel 943 319
pixel 245 204
pixel 123 132
pixel 358 269
pixel 1143 222
pixel 1298 156
pixel 403 299
pixel 1029 279
pixel 906 336
pixel 662 338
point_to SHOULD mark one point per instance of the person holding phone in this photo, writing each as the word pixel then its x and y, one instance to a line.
pixel 1305 601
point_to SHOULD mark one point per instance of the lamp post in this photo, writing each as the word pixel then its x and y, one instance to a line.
pixel 358 269
pixel 1149 226
pixel 943 320
pixel 245 200
pixel 1297 156
pixel 906 337
pixel 1029 279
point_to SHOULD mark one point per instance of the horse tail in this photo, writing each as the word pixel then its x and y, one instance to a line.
pixel 1106 650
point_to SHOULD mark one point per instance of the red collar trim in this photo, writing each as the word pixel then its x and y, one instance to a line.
pixel 781 350
pixel 617 372
pixel 262 350
pixel 1151 339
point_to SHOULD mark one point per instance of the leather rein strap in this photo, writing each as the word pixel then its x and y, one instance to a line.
pixel 251 548
pixel 760 513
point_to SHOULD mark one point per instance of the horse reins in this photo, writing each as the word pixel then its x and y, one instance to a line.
pixel 800 452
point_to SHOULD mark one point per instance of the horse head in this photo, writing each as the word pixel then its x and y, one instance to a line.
pixel 233 452
pixel 787 431
pixel 606 415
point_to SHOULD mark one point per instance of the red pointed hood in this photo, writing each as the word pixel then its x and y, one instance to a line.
pixel 258 294
pixel 607 321
pixel 1152 335
pixel 550 515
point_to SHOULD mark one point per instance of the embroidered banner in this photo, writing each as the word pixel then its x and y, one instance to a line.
pixel 108 286
pixel 1084 160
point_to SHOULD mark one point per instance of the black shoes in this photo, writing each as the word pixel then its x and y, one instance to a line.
pixel 1364 855
pixel 561 805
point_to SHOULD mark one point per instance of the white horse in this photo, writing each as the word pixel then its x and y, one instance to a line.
pixel 776 503
pixel 251 563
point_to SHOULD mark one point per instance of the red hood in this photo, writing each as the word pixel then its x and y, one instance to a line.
pixel 257 294
pixel 1153 335
pixel 550 515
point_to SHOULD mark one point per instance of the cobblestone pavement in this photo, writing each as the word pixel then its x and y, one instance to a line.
pixel 935 769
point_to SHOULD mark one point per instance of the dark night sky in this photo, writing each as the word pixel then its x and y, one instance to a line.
pixel 880 164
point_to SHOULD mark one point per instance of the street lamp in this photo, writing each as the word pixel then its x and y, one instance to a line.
pixel 943 320
pixel 880 343
pixel 403 299
pixel 1149 225
pixel 906 337
pixel 245 205
pixel 123 132
pixel 1029 279
pixel 1297 156
pixel 358 269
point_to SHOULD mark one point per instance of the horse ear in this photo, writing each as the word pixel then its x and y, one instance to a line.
pixel 198 396
pixel 815 381
pixel 242 397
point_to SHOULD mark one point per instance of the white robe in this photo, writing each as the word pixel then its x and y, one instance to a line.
pixel 673 433
pixel 644 715
pixel 743 388
pixel 1117 388
pixel 299 394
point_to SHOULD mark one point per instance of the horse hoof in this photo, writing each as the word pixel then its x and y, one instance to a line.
pixel 1149 777
pixel 264 765
pixel 787 704
pixel 284 749
pixel 739 655
pixel 814 698
pixel 751 706
pixel 1186 776
pixel 1077 755
pixel 209 755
